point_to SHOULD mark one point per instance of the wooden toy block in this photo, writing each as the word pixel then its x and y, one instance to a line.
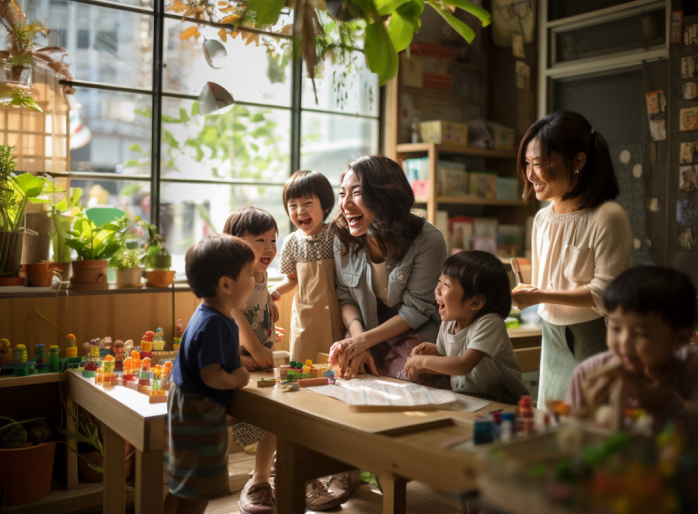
pixel 131 385
pixel 157 399
pixel 144 389
pixel 312 382
pixel 266 382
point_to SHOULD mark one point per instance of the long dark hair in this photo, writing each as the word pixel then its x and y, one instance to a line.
pixel 385 191
pixel 568 134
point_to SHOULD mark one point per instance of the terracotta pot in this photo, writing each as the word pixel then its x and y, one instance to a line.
pixel 40 274
pixel 11 281
pixel 90 275
pixel 63 268
pixel 91 475
pixel 159 278
pixel 26 473
pixel 35 247
pixel 128 277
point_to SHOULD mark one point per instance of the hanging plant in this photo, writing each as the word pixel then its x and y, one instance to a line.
pixel 388 26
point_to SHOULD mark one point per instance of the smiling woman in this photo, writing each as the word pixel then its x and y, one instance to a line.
pixel 580 242
pixel 387 262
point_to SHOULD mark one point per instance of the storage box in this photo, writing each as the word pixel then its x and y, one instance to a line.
pixel 483 184
pixel 461 234
pixel 453 179
pixel 420 188
pixel 502 136
pixel 444 132
pixel 416 169
pixel 510 240
pixel 508 188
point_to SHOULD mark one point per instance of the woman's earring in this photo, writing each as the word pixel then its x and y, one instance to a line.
pixel 576 171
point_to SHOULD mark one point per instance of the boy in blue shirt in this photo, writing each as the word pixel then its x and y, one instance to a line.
pixel 220 271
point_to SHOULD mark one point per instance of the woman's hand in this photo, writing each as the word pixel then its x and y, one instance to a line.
pixel 425 349
pixel 359 366
pixel 415 366
pixel 343 351
pixel 279 335
pixel 526 297
pixel 275 295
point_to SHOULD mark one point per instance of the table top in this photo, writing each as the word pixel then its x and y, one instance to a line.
pixel 525 331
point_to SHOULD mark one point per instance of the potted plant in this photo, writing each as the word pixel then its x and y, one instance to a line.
pixel 158 261
pixel 95 245
pixel 26 460
pixel 127 265
pixel 15 192
pixel 40 274
pixel 62 216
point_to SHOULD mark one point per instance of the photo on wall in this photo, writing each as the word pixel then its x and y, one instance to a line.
pixel 688 119
pixel 686 213
pixel 688 178
pixel 689 153
pixel 685 240
pixel 656 112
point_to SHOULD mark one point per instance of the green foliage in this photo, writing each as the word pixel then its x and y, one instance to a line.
pixel 86 432
pixel 92 242
pixel 127 259
pixel 268 11
pixel 13 434
pixel 62 216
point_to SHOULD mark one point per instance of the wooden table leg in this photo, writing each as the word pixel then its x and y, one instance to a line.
pixel 149 489
pixel 394 494
pixel 289 481
pixel 114 470
pixel 72 454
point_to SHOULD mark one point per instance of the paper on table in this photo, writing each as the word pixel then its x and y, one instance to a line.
pixel 374 392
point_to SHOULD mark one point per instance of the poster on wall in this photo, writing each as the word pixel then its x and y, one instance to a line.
pixel 689 67
pixel 656 112
pixel 513 17
pixel 688 178
pixel 688 119
pixel 689 153
pixel 690 35
pixel 675 30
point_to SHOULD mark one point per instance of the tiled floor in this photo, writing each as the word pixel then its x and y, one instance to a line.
pixel 367 499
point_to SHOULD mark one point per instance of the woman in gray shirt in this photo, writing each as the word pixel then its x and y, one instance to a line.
pixel 387 263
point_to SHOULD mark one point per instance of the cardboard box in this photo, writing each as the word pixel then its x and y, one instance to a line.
pixel 420 188
pixel 503 137
pixel 483 184
pixel 444 132
pixel 453 179
pixel 508 188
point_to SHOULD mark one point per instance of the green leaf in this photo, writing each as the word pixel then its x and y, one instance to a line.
pixel 169 119
pixel 255 118
pixel 131 163
pixel 144 111
pixel 482 14
pixel 381 56
pixel 199 155
pixel 30 185
pixel 77 193
pixel 388 6
pixel 400 31
pixel 62 205
pixel 183 115
pixel 268 11
pixel 462 28
pixel 135 147
pixel 195 108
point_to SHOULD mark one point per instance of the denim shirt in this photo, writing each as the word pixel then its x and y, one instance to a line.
pixel 411 282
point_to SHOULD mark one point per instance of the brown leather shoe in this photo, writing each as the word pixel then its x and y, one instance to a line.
pixel 257 499
pixel 327 492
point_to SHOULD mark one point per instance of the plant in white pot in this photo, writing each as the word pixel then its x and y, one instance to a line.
pixel 158 261
pixel 127 264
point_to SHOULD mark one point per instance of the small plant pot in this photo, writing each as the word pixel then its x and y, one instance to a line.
pixel 128 277
pixel 159 278
pixel 90 275
pixel 92 475
pixel 25 473
pixel 40 274
pixel 64 268
pixel 11 281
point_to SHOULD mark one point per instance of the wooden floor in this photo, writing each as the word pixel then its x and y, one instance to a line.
pixel 367 499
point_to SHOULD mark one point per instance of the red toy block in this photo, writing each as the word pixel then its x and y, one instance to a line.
pixel 312 382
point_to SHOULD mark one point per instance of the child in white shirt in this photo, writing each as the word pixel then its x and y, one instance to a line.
pixel 473 346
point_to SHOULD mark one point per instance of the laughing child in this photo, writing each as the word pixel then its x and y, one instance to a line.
pixel 651 311
pixel 307 260
pixel 473 346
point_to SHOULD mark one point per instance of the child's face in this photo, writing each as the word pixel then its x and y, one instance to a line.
pixel 243 287
pixel 264 247
pixel 642 340
pixel 449 296
pixel 306 213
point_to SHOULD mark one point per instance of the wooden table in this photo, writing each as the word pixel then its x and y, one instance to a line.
pixel 126 415
pixel 318 435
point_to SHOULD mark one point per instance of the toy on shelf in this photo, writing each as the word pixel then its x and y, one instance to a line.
pixel 128 346
pixel 71 348
pixel 179 332
pixel 39 357
pixel 159 340
pixel 54 353
pixel 106 346
pixel 94 349
pixel 119 354
pixel 22 366
pixel 5 352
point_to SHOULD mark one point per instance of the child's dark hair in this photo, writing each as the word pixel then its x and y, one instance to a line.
pixel 481 273
pixel 251 221
pixel 664 291
pixel 212 258
pixel 569 134
pixel 309 183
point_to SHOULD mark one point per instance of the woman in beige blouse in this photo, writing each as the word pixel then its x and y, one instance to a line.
pixel 580 242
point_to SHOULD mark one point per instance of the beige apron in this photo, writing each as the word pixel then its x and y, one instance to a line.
pixel 316 322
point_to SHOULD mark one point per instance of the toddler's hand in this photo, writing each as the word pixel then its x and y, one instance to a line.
pixel 279 335
pixel 242 377
pixel 275 295
pixel 360 365
pixel 425 349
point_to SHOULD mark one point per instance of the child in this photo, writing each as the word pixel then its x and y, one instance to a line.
pixel 307 260
pixel 651 311
pixel 473 345
pixel 257 334
pixel 219 270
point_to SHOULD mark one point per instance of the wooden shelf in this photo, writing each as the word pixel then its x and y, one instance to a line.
pixel 439 94
pixel 41 378
pixel 471 200
pixel 456 149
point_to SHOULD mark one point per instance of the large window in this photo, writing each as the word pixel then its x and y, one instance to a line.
pixel 209 165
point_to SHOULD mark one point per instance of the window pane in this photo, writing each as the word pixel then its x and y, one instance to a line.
pixel 258 72
pixel 346 86
pixel 245 142
pixel 110 132
pixel 189 212
pixel 564 9
pixel 328 141
pixel 132 197
pixel 633 33
pixel 103 45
